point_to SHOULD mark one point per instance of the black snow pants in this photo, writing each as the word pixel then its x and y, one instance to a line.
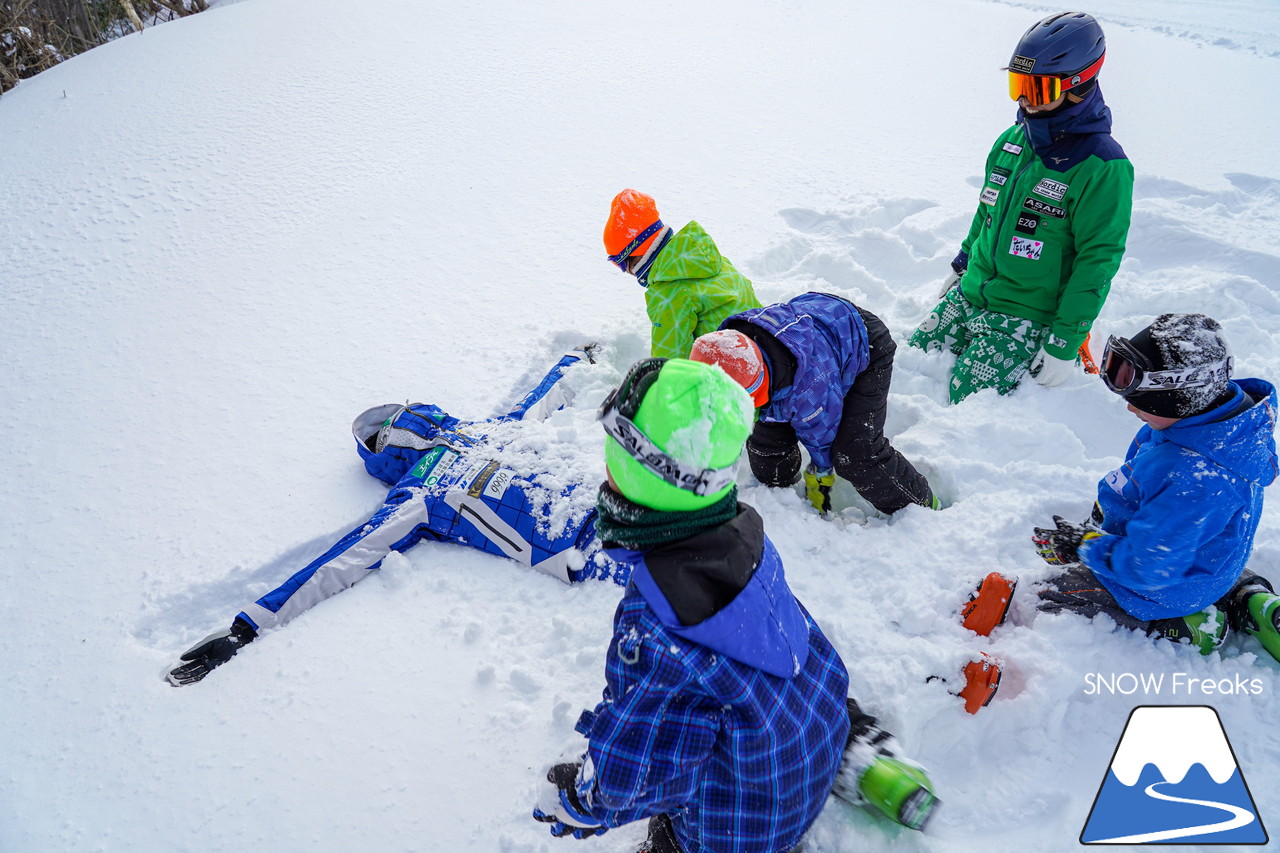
pixel 861 453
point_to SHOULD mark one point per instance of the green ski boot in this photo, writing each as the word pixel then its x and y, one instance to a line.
pixel 872 773
pixel 1207 630
pixel 900 790
pixel 1264 620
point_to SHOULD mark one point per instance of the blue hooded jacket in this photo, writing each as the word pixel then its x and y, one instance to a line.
pixel 828 338
pixel 733 726
pixel 1182 510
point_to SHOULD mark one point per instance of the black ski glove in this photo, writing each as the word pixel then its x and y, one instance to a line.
pixel 211 652
pixel 559 805
pixel 1060 546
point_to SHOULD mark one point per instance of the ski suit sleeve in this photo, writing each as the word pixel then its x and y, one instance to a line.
pixel 397 526
pixel 649 737
pixel 1174 518
pixel 1100 227
pixel 673 311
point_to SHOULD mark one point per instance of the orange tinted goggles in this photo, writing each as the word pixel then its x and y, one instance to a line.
pixel 1040 89
pixel 1036 89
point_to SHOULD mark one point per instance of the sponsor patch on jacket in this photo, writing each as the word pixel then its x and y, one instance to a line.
pixel 999 176
pixel 1012 149
pixel 989 195
pixel 1051 189
pixel 1022 64
pixel 1027 223
pixel 433 466
pixel 1117 481
pixel 1035 205
pixel 1024 248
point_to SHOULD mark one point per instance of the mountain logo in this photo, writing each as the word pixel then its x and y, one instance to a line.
pixel 1173 779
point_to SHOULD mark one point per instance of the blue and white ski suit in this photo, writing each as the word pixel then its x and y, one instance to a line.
pixel 446 486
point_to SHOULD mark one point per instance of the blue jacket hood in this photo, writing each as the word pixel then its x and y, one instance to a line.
pixel 762 626
pixel 1243 443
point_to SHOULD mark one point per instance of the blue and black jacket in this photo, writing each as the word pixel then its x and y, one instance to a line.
pixel 725 704
pixel 823 349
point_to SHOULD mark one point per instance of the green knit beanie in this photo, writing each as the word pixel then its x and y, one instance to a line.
pixel 694 414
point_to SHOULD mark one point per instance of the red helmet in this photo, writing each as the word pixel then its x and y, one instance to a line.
pixel 737 355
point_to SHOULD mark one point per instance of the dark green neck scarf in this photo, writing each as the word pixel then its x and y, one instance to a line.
pixel 637 527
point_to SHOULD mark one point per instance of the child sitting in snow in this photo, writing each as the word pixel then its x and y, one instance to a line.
pixel 448 484
pixel 725 718
pixel 1171 532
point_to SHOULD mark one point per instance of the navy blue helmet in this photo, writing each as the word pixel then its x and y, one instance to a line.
pixel 1060 45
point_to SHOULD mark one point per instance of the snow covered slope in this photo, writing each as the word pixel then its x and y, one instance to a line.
pixel 224 237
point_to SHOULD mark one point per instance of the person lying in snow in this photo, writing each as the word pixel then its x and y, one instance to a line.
pixel 448 485
pixel 1166 547
pixel 818 370
pixel 725 719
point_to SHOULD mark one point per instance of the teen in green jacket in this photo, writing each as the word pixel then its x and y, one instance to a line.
pixel 1051 224
pixel 690 288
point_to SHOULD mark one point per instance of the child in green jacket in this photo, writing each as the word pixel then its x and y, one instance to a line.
pixel 689 286
pixel 1051 224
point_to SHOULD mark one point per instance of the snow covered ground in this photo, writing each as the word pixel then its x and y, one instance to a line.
pixel 224 237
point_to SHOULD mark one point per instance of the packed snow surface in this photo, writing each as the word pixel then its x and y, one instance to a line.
pixel 225 237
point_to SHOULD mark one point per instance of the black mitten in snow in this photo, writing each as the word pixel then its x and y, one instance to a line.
pixel 211 652
pixel 773 454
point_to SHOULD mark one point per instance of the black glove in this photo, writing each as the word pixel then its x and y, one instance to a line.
pixel 1060 546
pixel 559 805
pixel 211 652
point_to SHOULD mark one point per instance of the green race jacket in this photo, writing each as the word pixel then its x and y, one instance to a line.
pixel 1051 223
pixel 692 289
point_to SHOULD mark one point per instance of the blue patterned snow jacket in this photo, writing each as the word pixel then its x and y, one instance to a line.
pixel 1184 506
pixel 733 725
pixel 826 335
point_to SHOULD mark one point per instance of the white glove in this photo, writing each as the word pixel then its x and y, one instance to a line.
pixel 1049 370
pixel 952 280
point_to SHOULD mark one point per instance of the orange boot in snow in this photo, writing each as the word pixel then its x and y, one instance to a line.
pixel 989 603
pixel 982 679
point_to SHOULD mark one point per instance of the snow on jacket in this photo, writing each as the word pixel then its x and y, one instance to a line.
pixel 449 484
pixel 828 338
pixel 1183 508
pixel 1052 221
pixel 692 288
pixel 732 724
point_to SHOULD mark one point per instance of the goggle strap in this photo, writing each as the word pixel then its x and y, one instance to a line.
pixel 699 481
pixel 1073 80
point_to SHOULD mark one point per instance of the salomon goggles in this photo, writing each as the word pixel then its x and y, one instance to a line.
pixel 620 260
pixel 615 415
pixel 1041 89
pixel 1127 371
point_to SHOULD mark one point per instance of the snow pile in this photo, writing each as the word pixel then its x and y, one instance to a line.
pixel 228 235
